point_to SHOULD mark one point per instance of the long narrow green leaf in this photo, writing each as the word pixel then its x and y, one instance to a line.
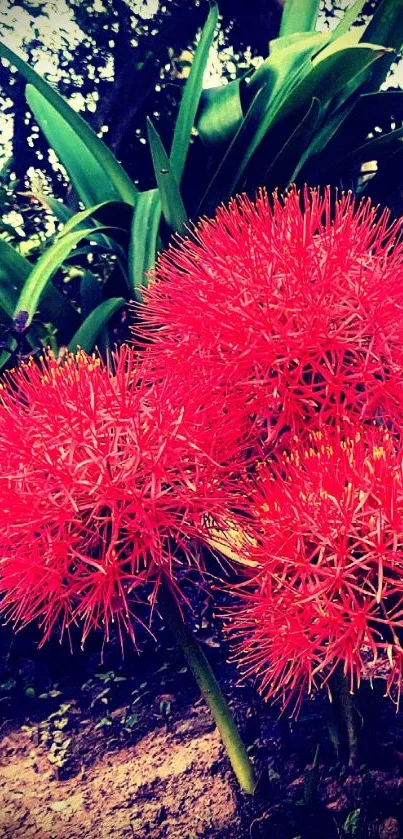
pixel 325 80
pixel 385 27
pixel 45 268
pixel 120 182
pixel 14 272
pixel 220 115
pixel 113 213
pixel 269 87
pixel 299 16
pixel 368 111
pixel 90 293
pixel 7 302
pixel 78 219
pixel 171 202
pixel 90 180
pixel 382 144
pixel 144 239
pixel 62 213
pixel 89 331
pixel 191 97
pixel 6 354
pixel 102 215
pixel 349 17
pixel 14 269
pixel 289 61
pixel 324 136
pixel 329 77
pixel 85 250
pixel 285 166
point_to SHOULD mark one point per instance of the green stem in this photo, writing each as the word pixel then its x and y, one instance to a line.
pixel 346 712
pixel 211 692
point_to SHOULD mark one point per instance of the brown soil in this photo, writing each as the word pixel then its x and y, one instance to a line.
pixel 128 749
pixel 93 746
pixel 163 786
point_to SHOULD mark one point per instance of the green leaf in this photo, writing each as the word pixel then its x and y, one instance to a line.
pixel 191 97
pixel 354 823
pixel 382 144
pixel 131 721
pixel 120 185
pixel 5 355
pixel 325 134
pixel 62 213
pixel 144 239
pixel 90 180
pixel 171 202
pixel 329 77
pixel 85 251
pixel 367 112
pixel 385 27
pixel 384 187
pixel 86 336
pixel 82 218
pixel 220 113
pixel 269 88
pixel 45 268
pixel 14 272
pixel 58 209
pixel 90 293
pixel 289 61
pixel 287 163
pixel 103 723
pixel 101 215
pixel 6 301
pixel 299 16
pixel 350 15
pixel 324 81
pixel 105 213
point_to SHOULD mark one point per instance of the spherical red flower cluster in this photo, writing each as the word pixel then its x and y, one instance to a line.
pixel 103 483
pixel 326 578
pixel 283 315
pixel 290 307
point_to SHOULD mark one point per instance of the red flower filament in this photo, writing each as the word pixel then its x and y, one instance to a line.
pixel 102 485
pixel 290 307
pixel 328 589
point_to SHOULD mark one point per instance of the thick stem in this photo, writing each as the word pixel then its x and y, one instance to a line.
pixel 346 713
pixel 211 692
pixel 333 727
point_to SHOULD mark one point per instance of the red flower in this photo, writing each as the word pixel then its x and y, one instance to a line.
pixel 290 307
pixel 328 557
pixel 103 482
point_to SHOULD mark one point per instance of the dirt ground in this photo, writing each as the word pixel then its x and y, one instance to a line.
pixel 93 748
pixel 162 786
pixel 108 748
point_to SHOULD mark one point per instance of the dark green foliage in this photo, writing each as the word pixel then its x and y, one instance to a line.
pixel 312 112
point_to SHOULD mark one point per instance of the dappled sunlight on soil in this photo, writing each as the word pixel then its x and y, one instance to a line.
pixel 169 784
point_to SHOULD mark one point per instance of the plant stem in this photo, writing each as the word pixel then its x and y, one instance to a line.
pixel 211 692
pixel 346 712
